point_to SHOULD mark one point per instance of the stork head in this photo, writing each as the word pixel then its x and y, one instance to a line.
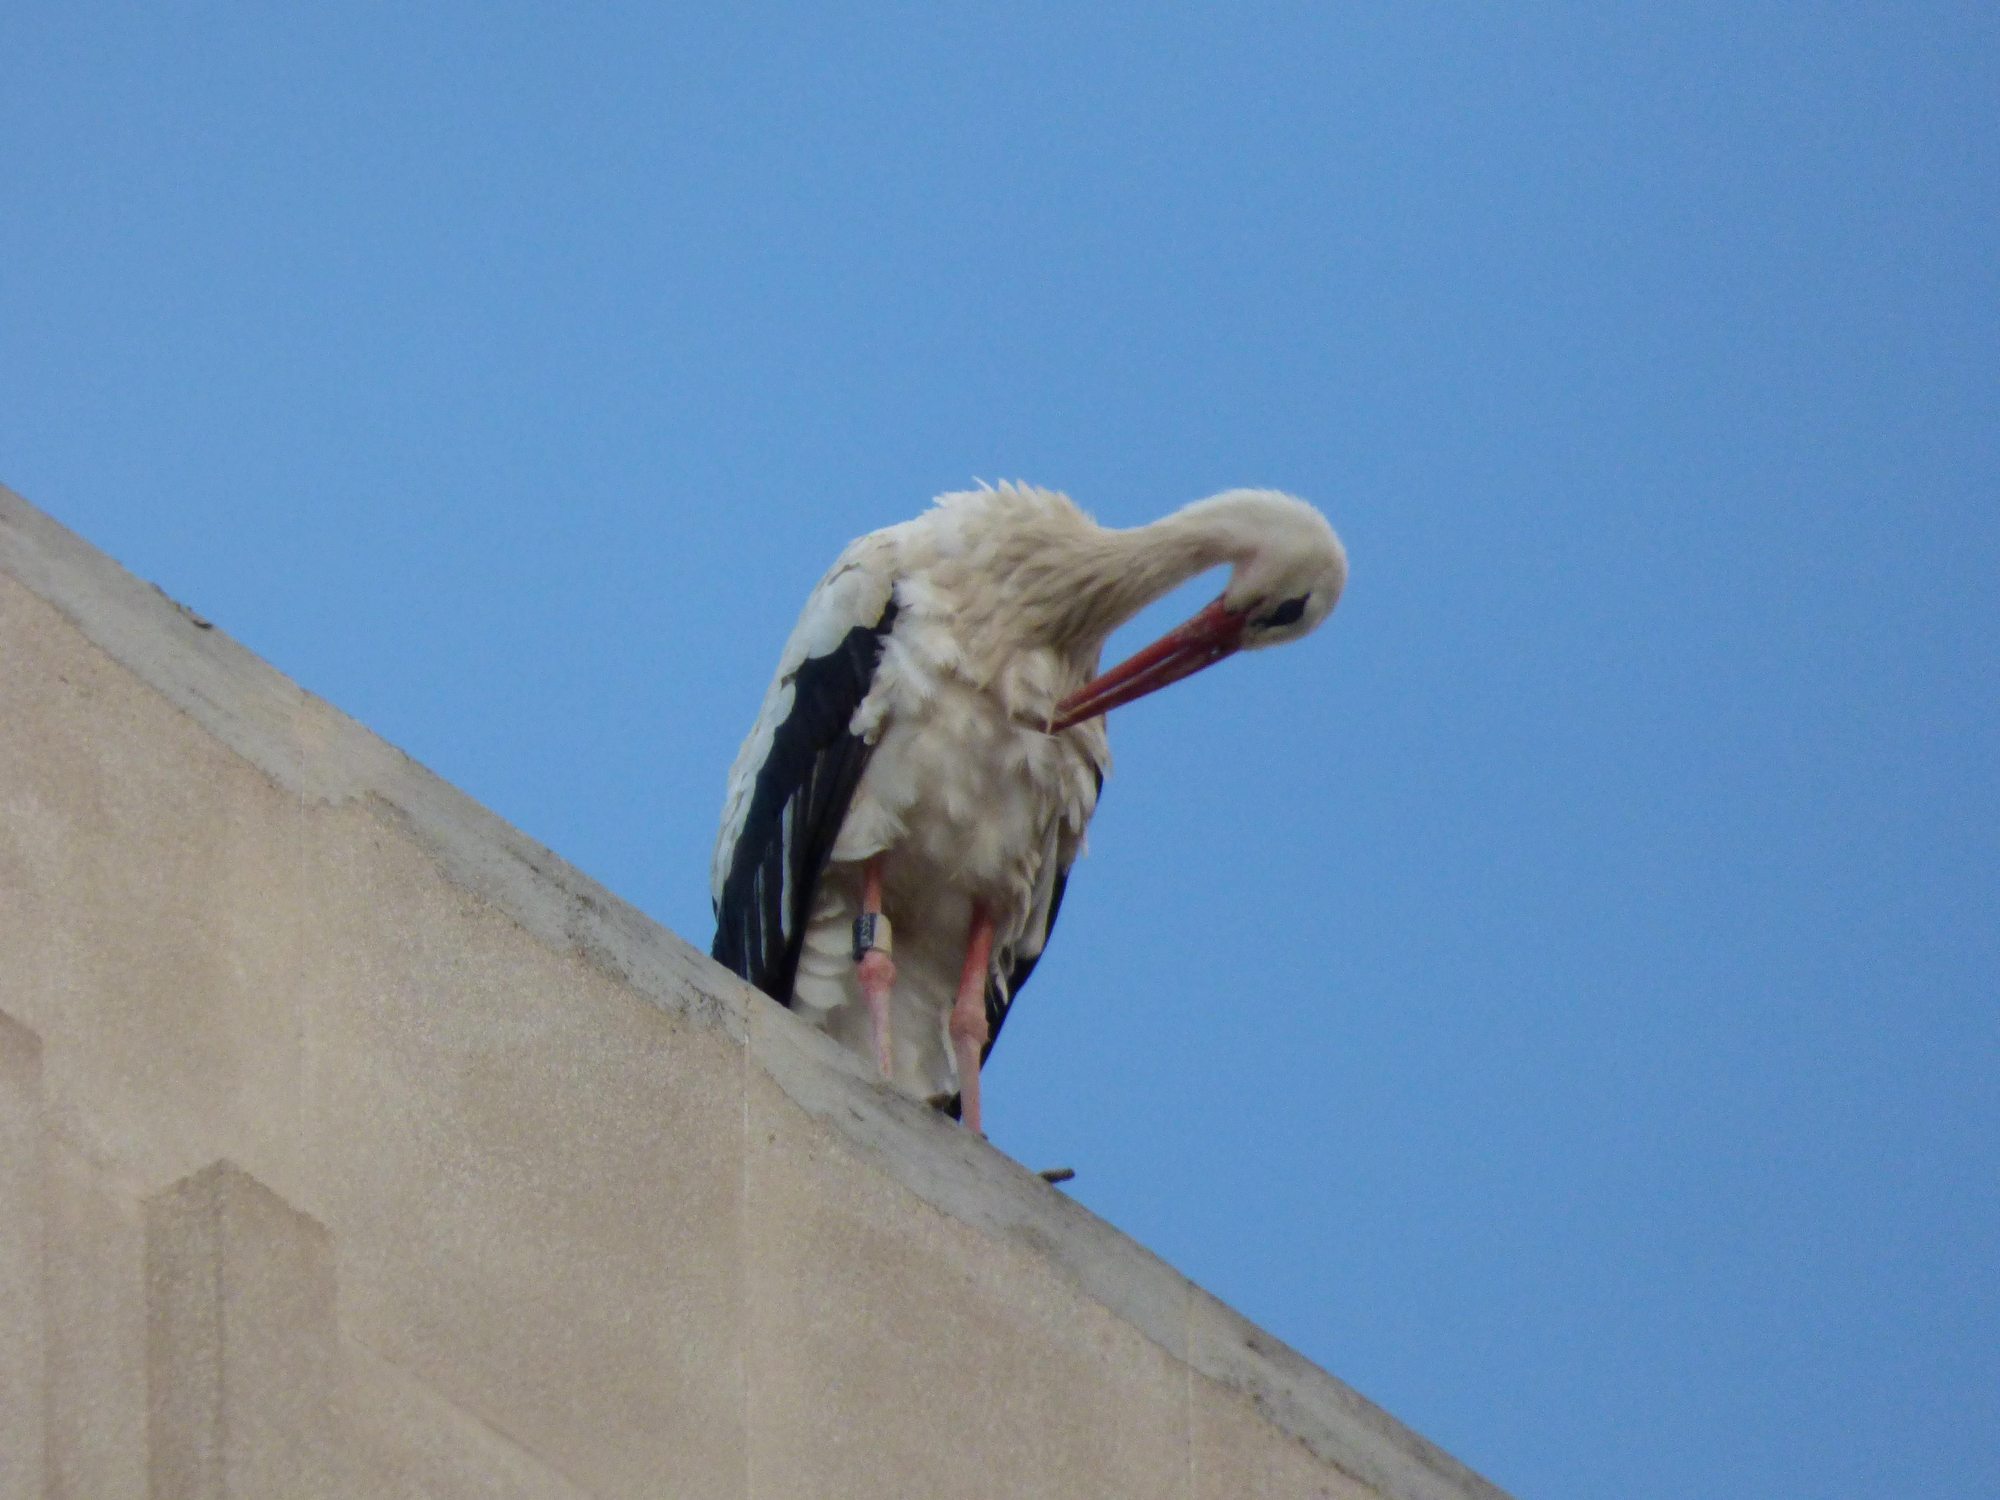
pixel 1290 567
pixel 1289 572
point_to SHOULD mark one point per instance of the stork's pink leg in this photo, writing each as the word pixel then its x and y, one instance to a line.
pixel 968 1017
pixel 877 970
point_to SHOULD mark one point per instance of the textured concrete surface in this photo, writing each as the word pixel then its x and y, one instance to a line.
pixel 240 1343
pixel 352 1144
pixel 23 1234
pixel 94 1301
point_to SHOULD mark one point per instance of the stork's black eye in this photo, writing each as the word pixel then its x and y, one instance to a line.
pixel 1287 613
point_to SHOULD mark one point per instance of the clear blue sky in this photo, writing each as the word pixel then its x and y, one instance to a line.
pixel 1560 996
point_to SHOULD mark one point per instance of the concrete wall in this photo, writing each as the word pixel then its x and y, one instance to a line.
pixel 351 1144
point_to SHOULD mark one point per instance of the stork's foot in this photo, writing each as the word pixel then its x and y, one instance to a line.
pixel 877 972
pixel 968 1018
pixel 966 1041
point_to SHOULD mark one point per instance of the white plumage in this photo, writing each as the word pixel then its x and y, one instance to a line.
pixel 933 723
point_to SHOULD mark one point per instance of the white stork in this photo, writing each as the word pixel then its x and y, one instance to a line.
pixel 932 747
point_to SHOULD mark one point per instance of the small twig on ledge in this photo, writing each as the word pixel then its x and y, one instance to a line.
pixel 1056 1174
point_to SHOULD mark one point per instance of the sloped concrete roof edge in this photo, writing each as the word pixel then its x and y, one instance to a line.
pixel 311 748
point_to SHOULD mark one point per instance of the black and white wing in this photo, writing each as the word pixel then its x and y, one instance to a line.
pixel 795 775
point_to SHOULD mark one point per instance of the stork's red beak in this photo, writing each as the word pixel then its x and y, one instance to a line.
pixel 1202 642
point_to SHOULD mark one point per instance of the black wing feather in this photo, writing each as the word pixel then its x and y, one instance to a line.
pixel 796 808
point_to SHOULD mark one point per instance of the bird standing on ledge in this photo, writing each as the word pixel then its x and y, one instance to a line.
pixel 901 822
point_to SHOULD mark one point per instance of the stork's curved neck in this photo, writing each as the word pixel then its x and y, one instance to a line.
pixel 1015 590
pixel 1011 574
pixel 1098 587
